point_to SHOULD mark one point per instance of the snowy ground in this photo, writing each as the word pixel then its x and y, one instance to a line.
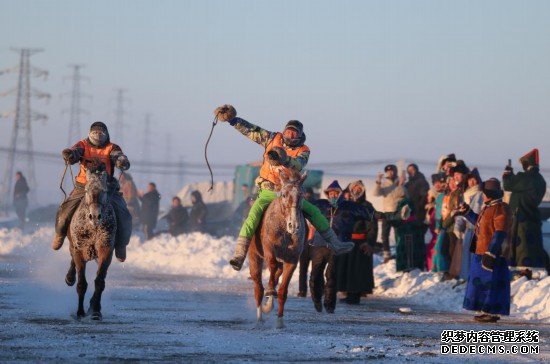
pixel 177 300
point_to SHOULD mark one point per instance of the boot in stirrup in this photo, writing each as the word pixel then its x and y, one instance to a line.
pixel 240 253
pixel 339 247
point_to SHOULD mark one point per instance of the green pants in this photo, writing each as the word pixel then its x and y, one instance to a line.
pixel 265 197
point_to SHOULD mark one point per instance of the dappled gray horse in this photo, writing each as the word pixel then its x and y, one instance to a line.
pixel 279 242
pixel 92 235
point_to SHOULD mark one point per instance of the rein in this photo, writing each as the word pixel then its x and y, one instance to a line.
pixel 67 166
pixel 214 123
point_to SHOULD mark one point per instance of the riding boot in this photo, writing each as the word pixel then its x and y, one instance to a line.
pixel 120 252
pixel 339 247
pixel 58 241
pixel 240 252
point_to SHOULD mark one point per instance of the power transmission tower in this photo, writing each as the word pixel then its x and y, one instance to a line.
pixel 21 132
pixel 167 178
pixel 146 146
pixel 76 111
pixel 119 115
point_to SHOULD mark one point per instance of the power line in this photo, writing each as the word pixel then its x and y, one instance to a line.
pixel 21 132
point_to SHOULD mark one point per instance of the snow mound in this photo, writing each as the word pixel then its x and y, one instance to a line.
pixel 190 254
pixel 12 241
pixel 530 299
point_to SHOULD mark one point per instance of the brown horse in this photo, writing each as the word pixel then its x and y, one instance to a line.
pixel 91 235
pixel 279 242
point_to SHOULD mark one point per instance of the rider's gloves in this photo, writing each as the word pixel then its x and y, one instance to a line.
pixel 69 155
pixel 225 113
pixel 122 163
pixel 277 157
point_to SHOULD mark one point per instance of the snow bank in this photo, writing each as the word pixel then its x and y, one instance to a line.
pixel 191 254
pixel 530 299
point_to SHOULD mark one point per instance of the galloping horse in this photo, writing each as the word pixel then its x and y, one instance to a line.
pixel 279 242
pixel 92 235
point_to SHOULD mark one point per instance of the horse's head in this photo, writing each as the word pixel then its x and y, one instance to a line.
pixel 291 198
pixel 95 198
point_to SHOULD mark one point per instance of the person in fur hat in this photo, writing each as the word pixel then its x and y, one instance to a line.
pixel 354 270
pixel 342 215
pixel 96 146
pixel 433 214
pixel 390 187
pixel 527 191
pixel 441 258
pixel 464 230
pixel 410 248
pixel 459 174
pixel 488 288
pixel 282 150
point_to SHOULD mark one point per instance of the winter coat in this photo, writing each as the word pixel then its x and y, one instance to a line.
pixel 150 208
pixel 410 247
pixel 197 216
pixel 298 155
pixel 392 193
pixel 528 189
pixel 354 270
pixel 417 192
pixel 494 216
pixel 20 190
pixel 108 154
pixel 344 217
pixel 177 219
pixel 489 291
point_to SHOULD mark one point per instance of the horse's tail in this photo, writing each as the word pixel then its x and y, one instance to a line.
pixel 267 307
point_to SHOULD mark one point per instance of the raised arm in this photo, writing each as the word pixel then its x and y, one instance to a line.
pixel 252 132
pixel 227 113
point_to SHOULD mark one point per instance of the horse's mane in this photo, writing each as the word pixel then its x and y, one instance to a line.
pixel 292 175
pixel 95 165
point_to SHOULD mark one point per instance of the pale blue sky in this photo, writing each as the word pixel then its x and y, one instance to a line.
pixel 369 79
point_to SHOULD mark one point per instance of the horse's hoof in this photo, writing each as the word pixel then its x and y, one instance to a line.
pixel 80 315
pixel 96 316
pixel 280 323
pixel 70 280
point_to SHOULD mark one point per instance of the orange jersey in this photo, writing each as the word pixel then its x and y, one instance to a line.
pixel 271 173
pixel 105 154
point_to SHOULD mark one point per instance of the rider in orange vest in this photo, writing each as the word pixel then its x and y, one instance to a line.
pixel 282 150
pixel 96 146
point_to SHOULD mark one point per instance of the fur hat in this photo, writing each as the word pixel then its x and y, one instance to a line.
pixel 296 125
pixel 460 167
pixel 438 177
pixel 98 125
pixel 449 158
pixel 225 112
pixel 334 186
pixel 474 173
pixel 530 159
pixel 354 185
pixel 392 167
pixel 491 188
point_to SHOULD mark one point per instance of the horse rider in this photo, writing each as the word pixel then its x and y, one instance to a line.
pixel 282 150
pixel 97 146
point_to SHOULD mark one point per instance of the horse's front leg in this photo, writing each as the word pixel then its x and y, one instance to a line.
pixel 105 257
pixel 255 265
pixel 82 285
pixel 282 294
pixel 70 278
pixel 273 266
